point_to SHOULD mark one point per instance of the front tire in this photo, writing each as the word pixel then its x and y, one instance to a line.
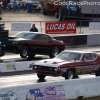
pixel 24 52
pixel 97 72
pixel 41 76
pixel 70 74
pixel 2 54
pixel 54 52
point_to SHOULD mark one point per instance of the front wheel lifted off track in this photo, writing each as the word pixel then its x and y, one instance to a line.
pixel 41 76
pixel 24 52
pixel 70 74
pixel 54 52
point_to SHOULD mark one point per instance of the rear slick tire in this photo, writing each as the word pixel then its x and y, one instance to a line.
pixel 97 72
pixel 41 76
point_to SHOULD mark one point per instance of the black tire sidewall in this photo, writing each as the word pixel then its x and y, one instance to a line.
pixel 52 54
pixel 41 76
pixel 97 72
pixel 21 52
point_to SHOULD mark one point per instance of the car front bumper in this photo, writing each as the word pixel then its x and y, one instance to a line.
pixel 12 48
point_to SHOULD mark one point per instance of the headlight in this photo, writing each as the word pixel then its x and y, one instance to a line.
pixel 56 69
pixel 15 43
pixel 35 67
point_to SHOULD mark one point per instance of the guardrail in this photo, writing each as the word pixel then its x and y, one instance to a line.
pixel 15 66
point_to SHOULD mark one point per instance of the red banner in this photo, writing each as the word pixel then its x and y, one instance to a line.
pixel 60 27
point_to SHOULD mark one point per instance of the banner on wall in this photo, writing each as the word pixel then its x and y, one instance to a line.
pixel 60 27
pixel 10 66
pixel 47 93
pixel 73 40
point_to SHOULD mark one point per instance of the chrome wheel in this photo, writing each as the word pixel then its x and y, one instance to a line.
pixel 24 52
pixel 70 75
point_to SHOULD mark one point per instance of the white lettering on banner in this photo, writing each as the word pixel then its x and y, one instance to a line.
pixel 55 26
pixel 71 3
pixel 71 26
pixel 85 2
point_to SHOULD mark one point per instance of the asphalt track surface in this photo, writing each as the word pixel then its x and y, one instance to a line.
pixel 17 57
pixel 31 79
pixel 28 77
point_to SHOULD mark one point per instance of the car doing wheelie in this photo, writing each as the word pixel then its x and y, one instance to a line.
pixel 68 64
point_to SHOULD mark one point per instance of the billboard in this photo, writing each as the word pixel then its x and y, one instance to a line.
pixel 60 27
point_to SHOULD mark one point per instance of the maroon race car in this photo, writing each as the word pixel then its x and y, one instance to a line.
pixel 68 64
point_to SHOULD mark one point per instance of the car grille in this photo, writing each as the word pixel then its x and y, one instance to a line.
pixel 44 68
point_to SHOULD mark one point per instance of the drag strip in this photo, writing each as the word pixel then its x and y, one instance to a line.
pixel 31 79
pixel 28 77
pixel 17 57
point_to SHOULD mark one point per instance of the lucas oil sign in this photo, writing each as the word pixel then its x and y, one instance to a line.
pixel 60 27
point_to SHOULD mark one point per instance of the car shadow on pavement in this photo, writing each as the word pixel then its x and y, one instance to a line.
pixel 41 80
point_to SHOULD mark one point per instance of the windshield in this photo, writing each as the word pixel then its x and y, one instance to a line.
pixel 24 35
pixel 69 56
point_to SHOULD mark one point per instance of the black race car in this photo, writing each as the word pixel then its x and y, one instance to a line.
pixel 28 44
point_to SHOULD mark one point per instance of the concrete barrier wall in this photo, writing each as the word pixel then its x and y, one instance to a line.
pixel 72 89
pixel 93 39
pixel 80 39
pixel 16 66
